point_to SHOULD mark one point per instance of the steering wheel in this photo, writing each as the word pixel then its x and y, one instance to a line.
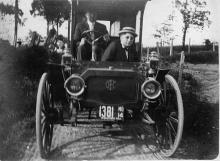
pixel 87 34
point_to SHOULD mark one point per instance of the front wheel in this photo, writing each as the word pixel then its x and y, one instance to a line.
pixel 44 121
pixel 170 118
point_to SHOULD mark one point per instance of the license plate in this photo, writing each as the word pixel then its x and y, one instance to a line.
pixel 111 112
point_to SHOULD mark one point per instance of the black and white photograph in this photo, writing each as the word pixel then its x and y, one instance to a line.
pixel 109 80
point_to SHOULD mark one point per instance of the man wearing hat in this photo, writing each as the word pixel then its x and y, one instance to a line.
pixel 84 49
pixel 123 49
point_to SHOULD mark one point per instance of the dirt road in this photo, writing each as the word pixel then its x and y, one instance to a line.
pixel 93 142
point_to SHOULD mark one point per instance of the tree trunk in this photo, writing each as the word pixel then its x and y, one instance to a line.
pixel 58 24
pixel 57 27
pixel 69 30
pixel 184 38
pixel 16 23
pixel 47 27
pixel 189 46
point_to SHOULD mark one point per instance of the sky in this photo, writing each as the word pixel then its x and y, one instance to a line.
pixel 156 12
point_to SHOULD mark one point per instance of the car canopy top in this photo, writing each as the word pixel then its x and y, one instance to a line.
pixel 111 9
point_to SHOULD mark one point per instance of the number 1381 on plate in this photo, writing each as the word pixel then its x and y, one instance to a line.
pixel 111 112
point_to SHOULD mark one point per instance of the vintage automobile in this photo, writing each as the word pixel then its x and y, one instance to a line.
pixel 142 92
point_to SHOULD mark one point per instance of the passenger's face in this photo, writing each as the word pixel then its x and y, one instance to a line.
pixel 127 39
pixel 91 16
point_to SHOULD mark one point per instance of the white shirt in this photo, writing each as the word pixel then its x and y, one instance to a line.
pixel 91 25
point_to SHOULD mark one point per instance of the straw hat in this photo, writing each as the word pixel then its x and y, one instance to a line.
pixel 130 30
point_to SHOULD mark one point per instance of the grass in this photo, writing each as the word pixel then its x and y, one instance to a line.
pixel 201 126
pixel 17 121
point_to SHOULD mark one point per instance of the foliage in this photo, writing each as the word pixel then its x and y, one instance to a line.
pixel 17 121
pixel 35 38
pixel 186 77
pixel 6 9
pixel 194 13
pixel 208 57
pixel 165 50
pixel 208 44
pixel 10 10
pixel 31 61
pixel 53 11
pixel 163 33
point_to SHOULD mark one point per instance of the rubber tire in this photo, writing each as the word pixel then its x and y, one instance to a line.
pixel 38 115
pixel 173 82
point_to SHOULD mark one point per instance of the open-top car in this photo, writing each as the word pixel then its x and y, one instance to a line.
pixel 118 92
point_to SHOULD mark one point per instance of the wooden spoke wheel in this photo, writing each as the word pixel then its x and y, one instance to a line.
pixel 44 116
pixel 170 118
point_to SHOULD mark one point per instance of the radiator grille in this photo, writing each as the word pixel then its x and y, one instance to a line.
pixel 111 90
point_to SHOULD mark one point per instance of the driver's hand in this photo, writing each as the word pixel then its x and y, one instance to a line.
pixel 83 41
pixel 106 37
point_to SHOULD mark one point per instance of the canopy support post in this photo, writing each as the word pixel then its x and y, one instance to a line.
pixel 74 10
pixel 140 32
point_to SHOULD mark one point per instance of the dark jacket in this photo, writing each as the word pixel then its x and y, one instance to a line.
pixel 83 26
pixel 115 52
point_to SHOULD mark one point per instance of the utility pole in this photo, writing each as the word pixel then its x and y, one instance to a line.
pixel 16 23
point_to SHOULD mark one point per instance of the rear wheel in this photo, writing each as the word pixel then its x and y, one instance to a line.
pixel 44 119
pixel 169 118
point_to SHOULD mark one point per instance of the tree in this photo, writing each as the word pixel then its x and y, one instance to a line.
pixel 164 33
pixel 194 13
pixel 208 44
pixel 7 9
pixel 55 11
pixel 13 10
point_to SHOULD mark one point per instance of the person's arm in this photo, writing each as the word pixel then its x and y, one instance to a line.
pixel 77 33
pixel 136 56
pixel 109 54
pixel 106 35
pixel 103 31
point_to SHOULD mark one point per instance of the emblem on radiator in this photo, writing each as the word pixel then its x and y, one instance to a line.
pixel 110 84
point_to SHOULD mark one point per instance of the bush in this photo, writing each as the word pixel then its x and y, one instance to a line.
pixel 202 57
pixel 165 51
pixel 20 74
pixel 31 62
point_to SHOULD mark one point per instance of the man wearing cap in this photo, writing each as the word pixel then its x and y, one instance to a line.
pixel 123 49
pixel 84 49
